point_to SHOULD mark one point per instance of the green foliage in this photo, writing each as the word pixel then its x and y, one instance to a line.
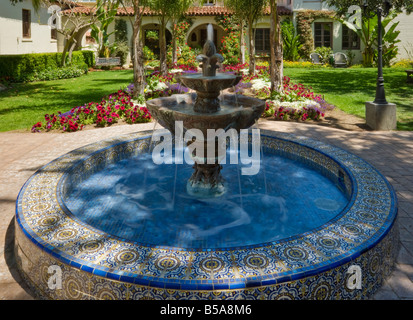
pixel 59 73
pixel 390 49
pixel 148 53
pixel 88 57
pixel 403 64
pixel 121 30
pixel 291 41
pixel 121 48
pixel 106 15
pixel 230 44
pixel 325 53
pixel 152 34
pixel 350 56
pixel 230 48
pixel 249 11
pixel 185 54
pixel 304 19
pixel 368 35
pixel 23 67
pixel 180 30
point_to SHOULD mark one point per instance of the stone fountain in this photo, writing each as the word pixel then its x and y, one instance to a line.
pixel 207 109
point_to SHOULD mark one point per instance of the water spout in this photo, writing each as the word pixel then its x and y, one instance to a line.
pixel 210 32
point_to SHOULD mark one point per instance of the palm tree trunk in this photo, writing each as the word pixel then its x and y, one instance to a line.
pixel 138 69
pixel 242 42
pixel 162 47
pixel 276 66
pixel 251 49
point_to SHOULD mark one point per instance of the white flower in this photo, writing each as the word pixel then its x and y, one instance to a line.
pixel 297 105
pixel 161 86
pixel 175 70
pixel 258 84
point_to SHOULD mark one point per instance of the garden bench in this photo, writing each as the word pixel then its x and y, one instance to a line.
pixel 114 61
pixel 315 58
pixel 340 60
pixel 409 76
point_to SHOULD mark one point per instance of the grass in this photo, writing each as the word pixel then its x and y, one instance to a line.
pixel 349 89
pixel 27 103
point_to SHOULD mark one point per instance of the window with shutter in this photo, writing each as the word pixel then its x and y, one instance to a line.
pixel 262 40
pixel 26 17
pixel 350 39
pixel 53 32
pixel 323 34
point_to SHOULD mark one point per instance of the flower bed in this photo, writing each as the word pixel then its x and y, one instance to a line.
pixel 298 110
pixel 295 102
pixel 117 106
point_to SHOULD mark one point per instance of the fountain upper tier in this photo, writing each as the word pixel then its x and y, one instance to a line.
pixel 209 84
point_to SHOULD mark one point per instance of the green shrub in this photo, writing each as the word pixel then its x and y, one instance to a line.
pixel 291 41
pixel 230 48
pixel 325 53
pixel 148 54
pixel 88 57
pixel 403 64
pixel 60 73
pixel 23 67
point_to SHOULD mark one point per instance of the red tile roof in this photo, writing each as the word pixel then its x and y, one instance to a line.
pixel 193 11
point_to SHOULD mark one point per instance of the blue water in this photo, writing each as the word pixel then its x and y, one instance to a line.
pixel 136 200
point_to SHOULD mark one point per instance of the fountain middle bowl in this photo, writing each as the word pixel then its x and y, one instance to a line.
pixel 237 112
pixel 201 83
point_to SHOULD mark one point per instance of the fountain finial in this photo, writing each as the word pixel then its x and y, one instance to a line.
pixel 209 58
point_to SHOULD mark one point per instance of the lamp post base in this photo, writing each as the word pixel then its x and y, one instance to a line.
pixel 381 116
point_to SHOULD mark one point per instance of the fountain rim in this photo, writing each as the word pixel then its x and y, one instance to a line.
pixel 338 260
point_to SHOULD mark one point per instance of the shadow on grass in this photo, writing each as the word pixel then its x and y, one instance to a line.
pixel 344 81
pixel 62 94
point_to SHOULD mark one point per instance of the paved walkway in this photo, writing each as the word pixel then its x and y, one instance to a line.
pixel 390 152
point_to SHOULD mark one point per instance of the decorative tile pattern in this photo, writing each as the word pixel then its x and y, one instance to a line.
pixel 313 265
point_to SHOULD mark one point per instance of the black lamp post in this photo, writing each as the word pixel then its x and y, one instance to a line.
pixel 382 11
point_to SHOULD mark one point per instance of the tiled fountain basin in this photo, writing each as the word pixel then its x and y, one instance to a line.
pixel 318 264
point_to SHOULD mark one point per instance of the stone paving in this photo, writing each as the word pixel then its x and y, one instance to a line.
pixel 390 152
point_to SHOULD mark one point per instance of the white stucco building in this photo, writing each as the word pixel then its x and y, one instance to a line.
pixel 23 30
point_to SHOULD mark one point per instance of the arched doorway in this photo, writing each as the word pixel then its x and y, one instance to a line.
pixel 85 40
pixel 198 35
pixel 151 37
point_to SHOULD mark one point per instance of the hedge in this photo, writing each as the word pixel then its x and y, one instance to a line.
pixel 21 67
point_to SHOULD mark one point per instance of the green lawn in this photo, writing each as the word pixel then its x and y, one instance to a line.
pixel 349 89
pixel 26 104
